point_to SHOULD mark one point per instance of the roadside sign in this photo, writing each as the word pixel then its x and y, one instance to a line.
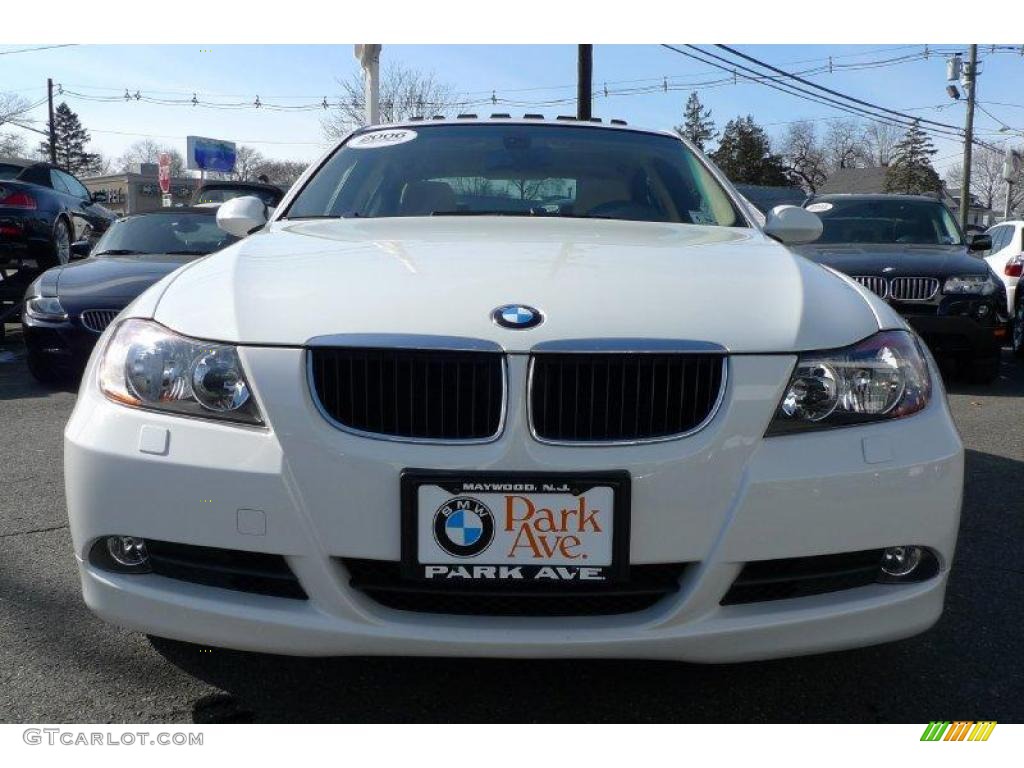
pixel 165 173
pixel 210 154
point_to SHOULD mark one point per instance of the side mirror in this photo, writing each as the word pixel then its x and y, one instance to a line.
pixel 792 225
pixel 979 243
pixel 241 216
pixel 81 248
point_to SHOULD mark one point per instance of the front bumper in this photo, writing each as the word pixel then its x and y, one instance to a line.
pixel 960 326
pixel 64 347
pixel 720 498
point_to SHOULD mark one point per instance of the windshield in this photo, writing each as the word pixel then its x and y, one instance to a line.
pixel 10 172
pixel 516 170
pixel 157 233
pixel 908 222
pixel 223 194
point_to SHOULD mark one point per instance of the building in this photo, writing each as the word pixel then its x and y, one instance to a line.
pixel 138 190
pixel 871 181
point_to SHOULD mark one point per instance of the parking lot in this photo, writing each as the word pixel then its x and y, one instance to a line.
pixel 60 664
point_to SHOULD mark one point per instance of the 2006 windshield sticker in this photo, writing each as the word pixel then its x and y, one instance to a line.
pixel 376 139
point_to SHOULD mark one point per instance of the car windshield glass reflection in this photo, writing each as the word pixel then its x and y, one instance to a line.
pixel 161 233
pixel 905 222
pixel 516 170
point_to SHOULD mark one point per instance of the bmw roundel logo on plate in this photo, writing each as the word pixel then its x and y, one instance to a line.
pixel 518 317
pixel 463 526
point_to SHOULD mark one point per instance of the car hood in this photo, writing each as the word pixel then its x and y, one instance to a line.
pixel 297 280
pixel 113 278
pixel 896 260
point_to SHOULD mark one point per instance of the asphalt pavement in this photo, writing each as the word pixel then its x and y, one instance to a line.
pixel 58 663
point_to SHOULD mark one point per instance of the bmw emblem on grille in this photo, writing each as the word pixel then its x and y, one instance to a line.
pixel 518 317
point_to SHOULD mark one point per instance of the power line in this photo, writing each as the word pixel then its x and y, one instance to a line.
pixel 829 90
pixel 802 93
pixel 38 48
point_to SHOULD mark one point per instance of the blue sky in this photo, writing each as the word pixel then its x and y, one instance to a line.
pixel 304 74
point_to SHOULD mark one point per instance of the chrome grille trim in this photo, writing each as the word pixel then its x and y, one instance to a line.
pixel 97 320
pixel 877 285
pixel 913 288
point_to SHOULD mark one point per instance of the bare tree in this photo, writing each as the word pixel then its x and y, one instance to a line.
pixel 12 145
pixel 281 172
pixel 404 93
pixel 844 145
pixel 13 106
pixel 880 139
pixel 804 155
pixel 149 151
pixel 987 182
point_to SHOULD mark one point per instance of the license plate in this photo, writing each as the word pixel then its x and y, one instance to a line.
pixel 468 527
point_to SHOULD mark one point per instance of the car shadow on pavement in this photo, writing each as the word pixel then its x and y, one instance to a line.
pixel 959 668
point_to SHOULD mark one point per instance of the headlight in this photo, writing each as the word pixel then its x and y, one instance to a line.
pixel 981 285
pixel 45 308
pixel 883 377
pixel 147 366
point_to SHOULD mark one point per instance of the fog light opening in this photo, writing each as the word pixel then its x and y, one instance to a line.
pixel 901 562
pixel 128 551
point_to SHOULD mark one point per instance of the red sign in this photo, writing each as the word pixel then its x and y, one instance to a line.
pixel 165 172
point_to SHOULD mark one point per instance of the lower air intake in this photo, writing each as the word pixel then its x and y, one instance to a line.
pixel 382 582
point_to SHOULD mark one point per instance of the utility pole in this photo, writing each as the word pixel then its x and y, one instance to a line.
pixel 53 128
pixel 584 81
pixel 369 58
pixel 971 85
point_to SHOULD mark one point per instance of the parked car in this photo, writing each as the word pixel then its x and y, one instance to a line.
pixel 909 250
pixel 1006 258
pixel 395 422
pixel 213 193
pixel 46 214
pixel 68 307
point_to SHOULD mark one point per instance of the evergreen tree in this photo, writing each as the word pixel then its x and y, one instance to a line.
pixel 71 140
pixel 745 155
pixel 910 171
pixel 697 125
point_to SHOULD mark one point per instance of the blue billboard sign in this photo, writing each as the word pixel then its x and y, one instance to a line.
pixel 205 154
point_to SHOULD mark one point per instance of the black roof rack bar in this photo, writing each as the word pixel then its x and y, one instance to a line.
pixel 595 119
pixel 466 116
pixel 533 116
pixel 496 115
pixel 416 118
pixel 616 121
pixel 566 117
pixel 438 117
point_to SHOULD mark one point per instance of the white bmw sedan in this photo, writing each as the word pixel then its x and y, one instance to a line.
pixel 513 388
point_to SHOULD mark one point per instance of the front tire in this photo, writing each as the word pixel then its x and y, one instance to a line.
pixel 984 371
pixel 1017 329
pixel 44 372
pixel 60 245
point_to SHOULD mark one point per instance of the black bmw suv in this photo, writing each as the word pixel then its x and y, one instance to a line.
pixel 909 250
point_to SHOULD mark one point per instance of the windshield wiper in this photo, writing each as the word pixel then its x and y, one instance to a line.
pixel 186 253
pixel 119 252
pixel 487 213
